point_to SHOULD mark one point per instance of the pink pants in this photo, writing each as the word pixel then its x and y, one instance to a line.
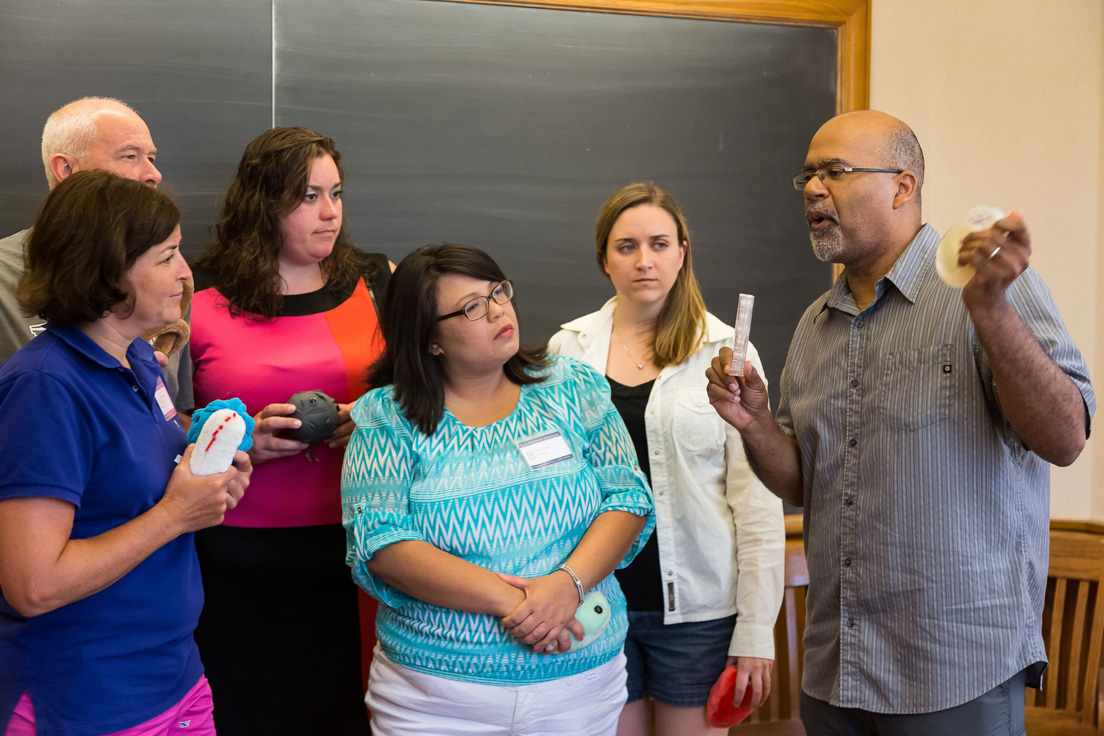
pixel 193 715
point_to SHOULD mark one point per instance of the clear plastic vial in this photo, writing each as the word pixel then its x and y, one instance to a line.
pixel 743 331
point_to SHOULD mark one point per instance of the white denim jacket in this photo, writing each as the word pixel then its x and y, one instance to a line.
pixel 720 531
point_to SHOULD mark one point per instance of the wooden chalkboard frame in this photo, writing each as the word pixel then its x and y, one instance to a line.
pixel 850 19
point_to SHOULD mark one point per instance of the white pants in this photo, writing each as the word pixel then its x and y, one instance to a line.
pixel 406 702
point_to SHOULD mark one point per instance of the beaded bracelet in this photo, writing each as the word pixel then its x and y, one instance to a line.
pixel 575 578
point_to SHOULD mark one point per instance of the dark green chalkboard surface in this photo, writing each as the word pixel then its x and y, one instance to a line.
pixel 499 126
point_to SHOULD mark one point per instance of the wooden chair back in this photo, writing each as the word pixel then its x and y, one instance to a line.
pixel 1072 700
pixel 1073 630
pixel 780 715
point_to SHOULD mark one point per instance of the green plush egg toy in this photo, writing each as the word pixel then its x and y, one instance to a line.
pixel 594 615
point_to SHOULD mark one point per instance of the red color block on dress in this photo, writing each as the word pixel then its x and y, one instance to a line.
pixel 719 708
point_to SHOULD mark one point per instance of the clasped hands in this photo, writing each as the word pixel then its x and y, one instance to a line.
pixel 546 614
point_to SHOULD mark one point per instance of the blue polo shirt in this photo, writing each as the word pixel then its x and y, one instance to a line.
pixel 77 426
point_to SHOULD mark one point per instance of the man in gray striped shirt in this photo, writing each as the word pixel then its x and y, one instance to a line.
pixel 916 426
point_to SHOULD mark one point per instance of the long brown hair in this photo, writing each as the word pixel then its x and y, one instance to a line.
pixel 270 182
pixel 681 323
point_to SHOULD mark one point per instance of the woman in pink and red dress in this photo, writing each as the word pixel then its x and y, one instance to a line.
pixel 283 303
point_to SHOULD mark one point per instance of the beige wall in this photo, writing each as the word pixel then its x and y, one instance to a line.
pixel 1006 99
pixel 1098 375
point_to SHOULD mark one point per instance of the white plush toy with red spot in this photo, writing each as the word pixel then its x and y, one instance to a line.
pixel 219 439
pixel 218 430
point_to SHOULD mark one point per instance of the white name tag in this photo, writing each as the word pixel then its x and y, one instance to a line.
pixel 544 449
pixel 163 400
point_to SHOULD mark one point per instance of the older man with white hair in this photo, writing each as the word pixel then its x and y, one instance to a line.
pixel 90 133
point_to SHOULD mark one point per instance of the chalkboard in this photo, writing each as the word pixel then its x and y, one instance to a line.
pixel 198 72
pixel 508 127
pixel 503 127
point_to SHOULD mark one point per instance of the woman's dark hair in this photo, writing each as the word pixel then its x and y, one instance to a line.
pixel 271 181
pixel 90 230
pixel 408 321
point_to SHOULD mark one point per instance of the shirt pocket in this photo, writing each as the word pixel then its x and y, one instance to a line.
pixel 696 425
pixel 917 387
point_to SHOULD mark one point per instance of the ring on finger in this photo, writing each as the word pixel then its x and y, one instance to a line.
pixel 994 253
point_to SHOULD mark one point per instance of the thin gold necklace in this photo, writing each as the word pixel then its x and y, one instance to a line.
pixel 639 366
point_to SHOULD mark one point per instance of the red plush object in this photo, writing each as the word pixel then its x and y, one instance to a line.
pixel 719 708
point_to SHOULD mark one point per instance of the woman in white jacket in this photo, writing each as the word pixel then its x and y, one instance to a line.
pixel 705 591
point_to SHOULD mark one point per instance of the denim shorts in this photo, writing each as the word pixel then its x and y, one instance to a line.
pixel 675 664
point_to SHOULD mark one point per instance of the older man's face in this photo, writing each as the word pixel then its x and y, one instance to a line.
pixel 123 147
pixel 848 218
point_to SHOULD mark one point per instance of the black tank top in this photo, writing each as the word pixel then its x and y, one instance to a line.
pixel 640 581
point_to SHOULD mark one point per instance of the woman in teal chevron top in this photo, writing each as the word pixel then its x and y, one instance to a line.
pixel 485 490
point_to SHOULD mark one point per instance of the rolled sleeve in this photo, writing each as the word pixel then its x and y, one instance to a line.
pixel 612 456
pixel 1035 305
pixel 760 548
pixel 375 486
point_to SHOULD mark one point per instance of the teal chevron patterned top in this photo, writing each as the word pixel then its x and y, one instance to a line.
pixel 469 492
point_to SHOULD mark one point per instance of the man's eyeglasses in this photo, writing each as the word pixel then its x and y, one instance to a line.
pixel 835 172
pixel 480 306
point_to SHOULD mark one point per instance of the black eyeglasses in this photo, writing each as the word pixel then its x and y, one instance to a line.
pixel 835 172
pixel 480 306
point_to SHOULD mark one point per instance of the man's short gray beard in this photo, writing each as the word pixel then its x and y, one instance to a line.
pixel 828 243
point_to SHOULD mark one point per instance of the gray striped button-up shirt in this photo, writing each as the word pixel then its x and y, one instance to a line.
pixel 926 519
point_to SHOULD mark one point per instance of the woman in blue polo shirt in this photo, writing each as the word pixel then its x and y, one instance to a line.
pixel 101 588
